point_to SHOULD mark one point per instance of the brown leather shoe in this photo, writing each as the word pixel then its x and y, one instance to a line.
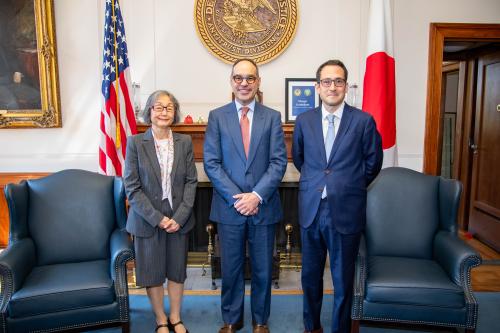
pixel 231 328
pixel 319 330
pixel 260 328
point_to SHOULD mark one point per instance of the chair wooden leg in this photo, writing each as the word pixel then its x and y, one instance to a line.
pixel 126 327
pixel 355 326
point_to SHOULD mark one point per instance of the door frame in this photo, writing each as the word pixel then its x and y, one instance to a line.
pixel 438 33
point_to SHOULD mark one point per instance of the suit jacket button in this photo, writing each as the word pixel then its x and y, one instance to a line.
pixel 327 171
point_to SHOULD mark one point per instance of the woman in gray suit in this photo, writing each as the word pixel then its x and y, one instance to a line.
pixel 160 181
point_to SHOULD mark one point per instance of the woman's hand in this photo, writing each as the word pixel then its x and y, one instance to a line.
pixel 169 225
pixel 164 223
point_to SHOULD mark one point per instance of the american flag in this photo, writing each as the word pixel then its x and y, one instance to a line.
pixel 117 113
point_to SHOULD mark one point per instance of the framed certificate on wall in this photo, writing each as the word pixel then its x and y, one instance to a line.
pixel 300 96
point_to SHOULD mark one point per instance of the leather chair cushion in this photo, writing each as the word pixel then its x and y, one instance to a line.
pixel 63 287
pixel 411 281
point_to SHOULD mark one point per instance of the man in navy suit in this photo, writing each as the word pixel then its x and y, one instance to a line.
pixel 338 152
pixel 245 159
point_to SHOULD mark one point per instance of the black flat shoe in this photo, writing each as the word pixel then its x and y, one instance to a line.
pixel 167 325
pixel 171 326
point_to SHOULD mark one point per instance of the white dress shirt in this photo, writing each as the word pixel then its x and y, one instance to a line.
pixel 251 108
pixel 336 123
pixel 337 117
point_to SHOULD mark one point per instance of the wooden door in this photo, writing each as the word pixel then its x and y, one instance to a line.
pixel 484 218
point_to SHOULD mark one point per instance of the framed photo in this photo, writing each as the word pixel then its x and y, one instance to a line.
pixel 300 96
pixel 29 83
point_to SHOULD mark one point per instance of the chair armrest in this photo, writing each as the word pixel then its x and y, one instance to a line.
pixel 16 262
pixel 121 252
pixel 359 281
pixel 456 257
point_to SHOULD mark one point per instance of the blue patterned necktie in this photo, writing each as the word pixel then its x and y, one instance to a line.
pixel 330 137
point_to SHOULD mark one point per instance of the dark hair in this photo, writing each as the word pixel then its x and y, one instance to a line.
pixel 250 61
pixel 152 99
pixel 331 63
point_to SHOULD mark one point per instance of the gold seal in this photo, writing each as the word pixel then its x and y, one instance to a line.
pixel 236 29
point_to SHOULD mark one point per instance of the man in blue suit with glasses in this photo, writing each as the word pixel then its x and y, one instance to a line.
pixel 245 159
pixel 338 152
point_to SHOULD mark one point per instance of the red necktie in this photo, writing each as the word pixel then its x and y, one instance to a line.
pixel 245 129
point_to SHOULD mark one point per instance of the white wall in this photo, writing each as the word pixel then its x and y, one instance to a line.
pixel 165 53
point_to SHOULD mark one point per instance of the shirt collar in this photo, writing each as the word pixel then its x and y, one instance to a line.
pixel 251 106
pixel 170 136
pixel 337 114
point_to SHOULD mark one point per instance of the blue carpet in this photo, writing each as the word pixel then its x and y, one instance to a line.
pixel 202 314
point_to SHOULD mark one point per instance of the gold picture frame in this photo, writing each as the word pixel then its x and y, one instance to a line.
pixel 47 112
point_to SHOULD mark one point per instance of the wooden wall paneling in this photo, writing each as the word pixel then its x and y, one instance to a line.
pixel 7 178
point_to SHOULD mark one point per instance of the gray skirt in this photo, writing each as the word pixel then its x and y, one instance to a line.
pixel 159 257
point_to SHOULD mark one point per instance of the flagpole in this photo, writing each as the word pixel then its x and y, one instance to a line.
pixel 117 88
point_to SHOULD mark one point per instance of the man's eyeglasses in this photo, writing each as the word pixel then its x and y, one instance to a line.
pixel 338 82
pixel 239 79
pixel 159 108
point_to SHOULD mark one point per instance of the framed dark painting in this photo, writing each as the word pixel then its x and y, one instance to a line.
pixel 29 87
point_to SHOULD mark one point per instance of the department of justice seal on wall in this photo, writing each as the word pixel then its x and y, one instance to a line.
pixel 236 29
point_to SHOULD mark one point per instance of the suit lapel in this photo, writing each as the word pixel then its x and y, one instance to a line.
pixel 344 126
pixel 257 128
pixel 317 131
pixel 177 154
pixel 149 148
pixel 233 126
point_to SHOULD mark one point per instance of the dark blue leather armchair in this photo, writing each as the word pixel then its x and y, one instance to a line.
pixel 412 267
pixel 64 268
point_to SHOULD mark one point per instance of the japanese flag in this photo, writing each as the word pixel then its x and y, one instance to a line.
pixel 379 87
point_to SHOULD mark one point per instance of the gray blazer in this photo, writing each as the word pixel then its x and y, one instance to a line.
pixel 143 184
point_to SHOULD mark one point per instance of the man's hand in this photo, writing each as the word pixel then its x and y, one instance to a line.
pixel 247 203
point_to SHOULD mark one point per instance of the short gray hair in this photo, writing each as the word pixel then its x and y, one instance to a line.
pixel 152 99
pixel 247 60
